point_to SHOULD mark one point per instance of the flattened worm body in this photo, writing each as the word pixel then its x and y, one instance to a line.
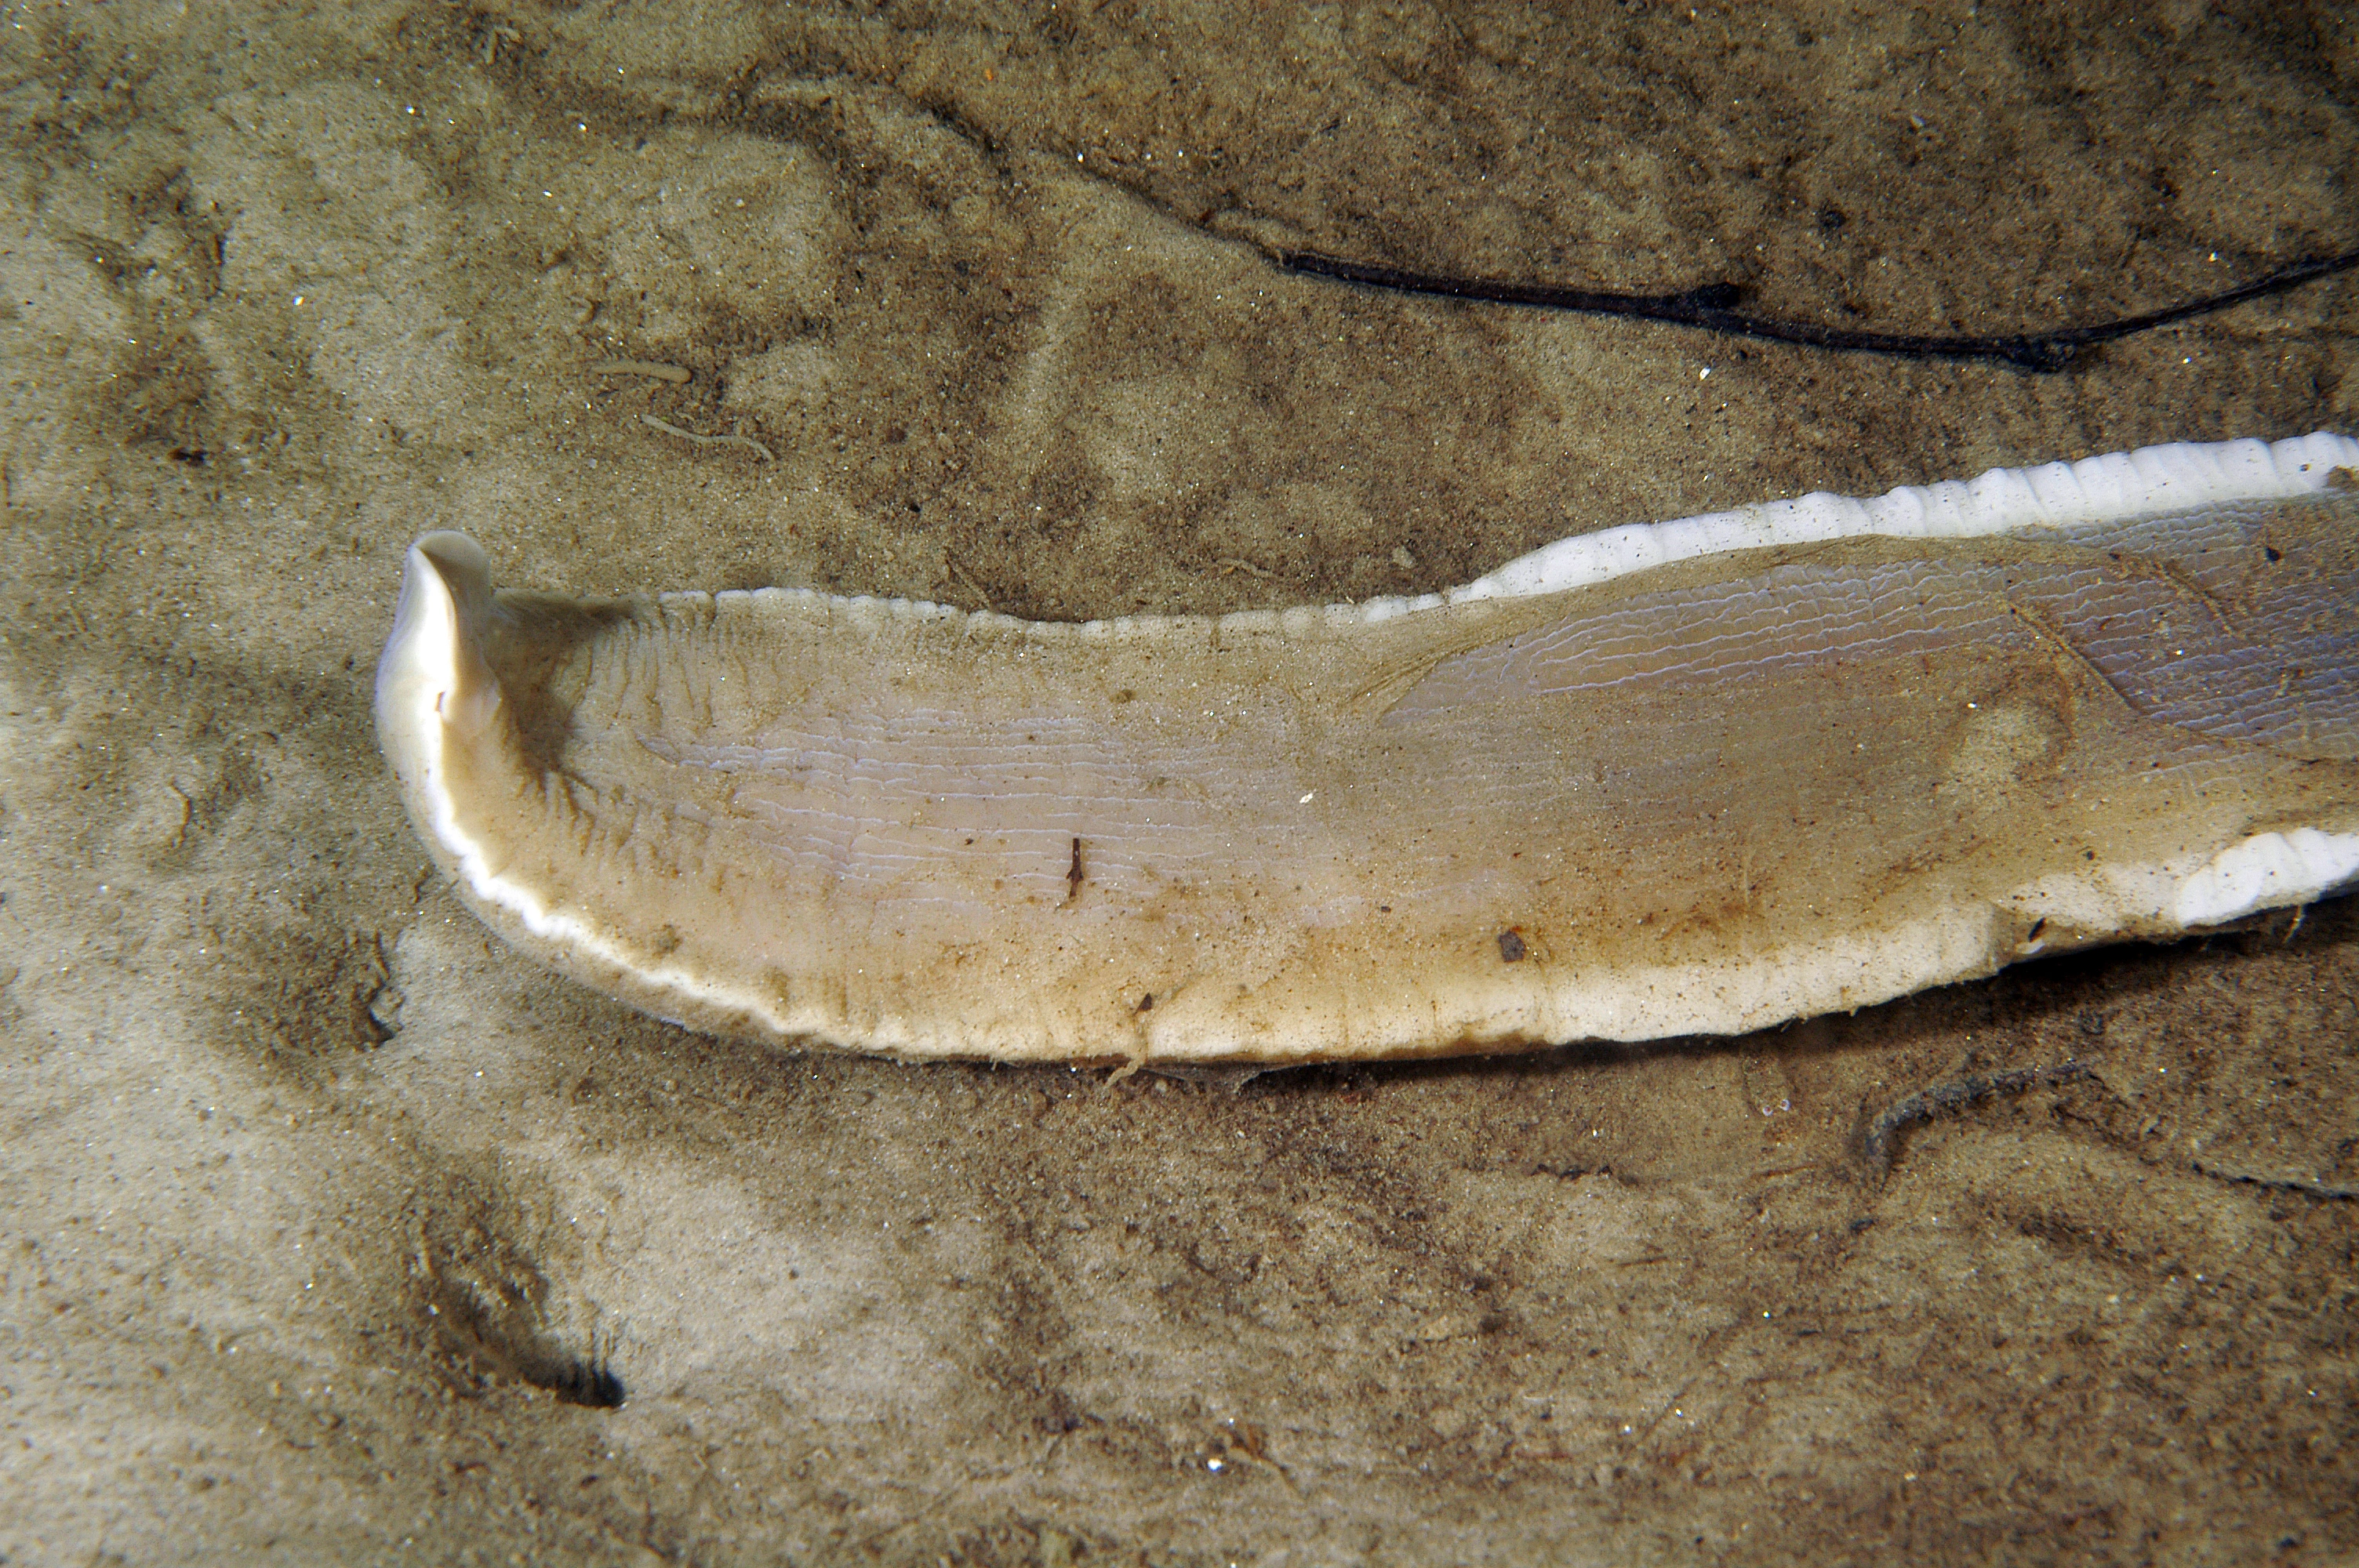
pixel 1695 776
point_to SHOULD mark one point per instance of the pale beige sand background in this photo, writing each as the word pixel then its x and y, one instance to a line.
pixel 324 1215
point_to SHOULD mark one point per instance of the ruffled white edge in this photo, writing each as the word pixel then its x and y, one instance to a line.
pixel 2147 482
pixel 2151 482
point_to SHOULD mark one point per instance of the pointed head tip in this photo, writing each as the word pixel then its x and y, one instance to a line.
pixel 433 662
pixel 450 551
pixel 454 567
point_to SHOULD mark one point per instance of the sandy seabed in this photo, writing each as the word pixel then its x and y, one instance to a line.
pixel 335 1232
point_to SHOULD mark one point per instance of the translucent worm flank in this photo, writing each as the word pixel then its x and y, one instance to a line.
pixel 1702 776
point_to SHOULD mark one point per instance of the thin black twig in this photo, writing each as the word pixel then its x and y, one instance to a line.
pixel 1877 1143
pixel 2314 1186
pixel 1879 1140
pixel 1712 308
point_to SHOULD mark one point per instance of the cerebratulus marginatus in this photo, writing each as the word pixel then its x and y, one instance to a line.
pixel 1688 777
